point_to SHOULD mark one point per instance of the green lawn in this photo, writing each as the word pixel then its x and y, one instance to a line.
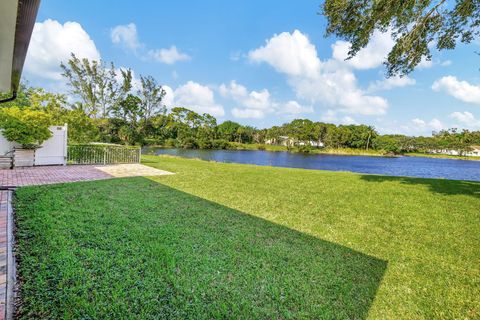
pixel 239 241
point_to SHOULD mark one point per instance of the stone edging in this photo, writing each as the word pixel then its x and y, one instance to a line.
pixel 7 262
pixel 11 266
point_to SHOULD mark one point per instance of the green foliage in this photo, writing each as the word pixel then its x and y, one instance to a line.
pixel 415 25
pixel 25 126
pixel 306 148
pixel 228 130
pixel 96 84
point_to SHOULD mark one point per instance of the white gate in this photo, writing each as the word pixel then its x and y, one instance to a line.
pixel 54 150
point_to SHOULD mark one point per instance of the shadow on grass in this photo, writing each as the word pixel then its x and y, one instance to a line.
pixel 442 186
pixel 142 249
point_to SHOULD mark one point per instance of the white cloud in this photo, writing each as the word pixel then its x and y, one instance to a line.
pixel 390 83
pixel 247 113
pixel 422 126
pixel 446 63
pixel 198 98
pixel 168 99
pixel 257 104
pixel 126 35
pixel 467 119
pixel 372 56
pixel 329 82
pixel 425 64
pixel 348 120
pixel 329 116
pixel 461 90
pixel 52 43
pixel 169 56
pixel 292 107
pixel 289 53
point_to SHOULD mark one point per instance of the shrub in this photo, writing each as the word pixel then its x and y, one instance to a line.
pixel 261 147
pixel 170 142
pixel 205 144
pixel 25 126
pixel 220 144
pixel 305 148
pixel 189 143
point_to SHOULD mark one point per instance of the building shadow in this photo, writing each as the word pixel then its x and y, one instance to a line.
pixel 217 262
pixel 441 186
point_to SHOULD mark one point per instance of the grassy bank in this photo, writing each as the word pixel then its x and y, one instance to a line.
pixel 442 156
pixel 238 241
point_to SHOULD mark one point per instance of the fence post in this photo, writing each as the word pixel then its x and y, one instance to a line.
pixel 104 156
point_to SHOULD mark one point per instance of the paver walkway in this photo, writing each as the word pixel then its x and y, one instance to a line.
pixel 58 174
pixel 47 175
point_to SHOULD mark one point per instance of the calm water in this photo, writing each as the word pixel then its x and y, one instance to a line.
pixel 397 166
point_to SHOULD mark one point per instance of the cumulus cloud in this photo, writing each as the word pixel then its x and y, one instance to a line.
pixel 466 119
pixel 329 82
pixel 126 35
pixel 53 43
pixel 423 126
pixel 372 56
pixel 257 104
pixel 290 53
pixel 196 97
pixel 169 56
pixel 390 83
pixel 461 90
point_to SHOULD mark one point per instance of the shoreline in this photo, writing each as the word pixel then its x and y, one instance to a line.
pixel 338 152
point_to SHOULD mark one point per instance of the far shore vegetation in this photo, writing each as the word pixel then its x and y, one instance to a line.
pixel 108 108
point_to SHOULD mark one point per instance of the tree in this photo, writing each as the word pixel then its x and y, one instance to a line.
pixel 81 128
pixel 130 111
pixel 228 130
pixel 301 130
pixel 415 26
pixel 151 95
pixel 25 126
pixel 95 85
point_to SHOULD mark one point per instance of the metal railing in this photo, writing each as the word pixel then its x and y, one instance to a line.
pixel 102 154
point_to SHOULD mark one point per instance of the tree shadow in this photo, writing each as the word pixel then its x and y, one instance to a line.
pixel 193 258
pixel 441 186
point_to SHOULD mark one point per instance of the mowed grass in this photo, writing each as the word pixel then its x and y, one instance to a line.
pixel 239 241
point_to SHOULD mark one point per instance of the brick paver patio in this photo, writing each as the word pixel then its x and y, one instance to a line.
pixel 58 174
pixel 47 175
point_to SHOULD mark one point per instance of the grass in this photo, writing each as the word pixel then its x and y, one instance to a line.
pixel 239 241
pixel 444 156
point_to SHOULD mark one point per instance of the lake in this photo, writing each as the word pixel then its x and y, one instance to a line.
pixel 392 166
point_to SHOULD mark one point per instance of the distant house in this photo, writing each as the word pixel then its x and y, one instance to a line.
pixel 473 152
pixel 289 142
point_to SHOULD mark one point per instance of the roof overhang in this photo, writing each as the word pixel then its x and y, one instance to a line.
pixel 17 18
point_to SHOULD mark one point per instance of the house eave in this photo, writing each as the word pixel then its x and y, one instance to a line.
pixel 17 19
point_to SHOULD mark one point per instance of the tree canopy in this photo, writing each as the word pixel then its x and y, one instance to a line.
pixel 416 26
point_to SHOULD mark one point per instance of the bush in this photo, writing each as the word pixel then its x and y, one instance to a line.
pixel 25 126
pixel 305 148
pixel 220 144
pixel 189 143
pixel 170 142
pixel 205 144
pixel 261 147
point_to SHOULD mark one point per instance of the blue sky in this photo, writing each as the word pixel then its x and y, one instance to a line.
pixel 260 63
